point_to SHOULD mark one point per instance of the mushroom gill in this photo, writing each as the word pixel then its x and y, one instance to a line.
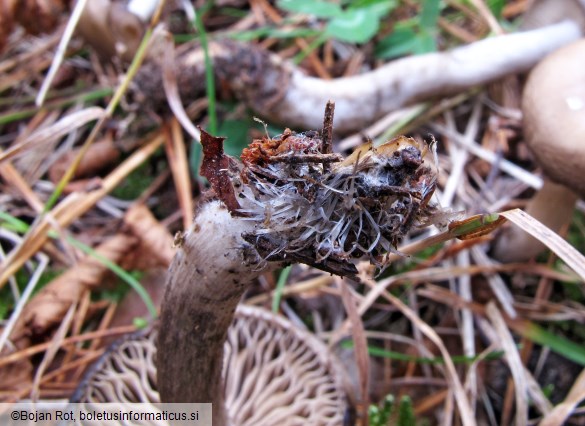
pixel 275 373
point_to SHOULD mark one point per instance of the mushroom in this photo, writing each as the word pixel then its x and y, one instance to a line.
pixel 274 373
pixel 553 106
pixel 290 199
pixel 295 206
pixel 115 27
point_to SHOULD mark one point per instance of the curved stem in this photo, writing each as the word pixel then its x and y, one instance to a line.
pixel 553 206
pixel 280 92
pixel 208 276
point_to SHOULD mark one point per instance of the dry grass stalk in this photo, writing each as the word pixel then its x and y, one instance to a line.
pixel 461 399
pixel 179 164
pixel 71 208
pixel 360 345
pixel 505 339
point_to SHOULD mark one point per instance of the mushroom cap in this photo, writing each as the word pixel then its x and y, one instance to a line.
pixel 553 105
pixel 274 373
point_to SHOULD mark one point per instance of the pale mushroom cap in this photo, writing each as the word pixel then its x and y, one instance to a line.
pixel 275 373
pixel 554 115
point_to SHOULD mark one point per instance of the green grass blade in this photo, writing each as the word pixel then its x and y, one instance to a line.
pixel 209 77
pixel 279 288
pixel 124 275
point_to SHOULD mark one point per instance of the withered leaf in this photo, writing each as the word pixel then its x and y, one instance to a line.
pixel 215 168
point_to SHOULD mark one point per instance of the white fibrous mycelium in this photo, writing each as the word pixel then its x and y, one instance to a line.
pixel 362 205
pixel 312 206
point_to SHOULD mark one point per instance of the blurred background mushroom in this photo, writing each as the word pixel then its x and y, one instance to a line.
pixel 547 12
pixel 115 28
pixel 553 106
pixel 275 373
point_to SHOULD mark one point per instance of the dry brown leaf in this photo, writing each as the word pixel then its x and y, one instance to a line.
pixel 553 241
pixel 215 168
pixel 111 29
pixel 17 376
pixel 99 156
pixel 155 246
pixel 7 9
pixel 71 208
pixel 47 308
pixel 40 16
pixel 36 16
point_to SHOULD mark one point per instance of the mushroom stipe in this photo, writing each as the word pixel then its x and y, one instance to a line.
pixel 289 200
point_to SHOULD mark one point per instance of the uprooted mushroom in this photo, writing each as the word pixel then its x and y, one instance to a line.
pixel 290 200
pixel 553 105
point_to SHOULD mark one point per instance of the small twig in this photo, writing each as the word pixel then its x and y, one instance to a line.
pixel 33 350
pixel 327 134
pixel 325 159
pixel 52 350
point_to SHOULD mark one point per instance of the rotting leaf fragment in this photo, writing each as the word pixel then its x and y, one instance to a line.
pixel 216 167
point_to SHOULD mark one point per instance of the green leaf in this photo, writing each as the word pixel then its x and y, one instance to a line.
pixel 140 323
pixel 209 76
pixel 12 223
pixel 496 6
pixel 374 416
pixel 406 412
pixel 407 39
pixel 429 14
pixel 273 33
pixel 380 7
pixel 320 9
pixel 354 25
pixel 564 347
pixel 402 41
pixel 425 43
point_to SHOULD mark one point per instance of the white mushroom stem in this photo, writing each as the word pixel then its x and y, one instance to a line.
pixel 280 92
pixel 206 280
pixel 553 106
pixel 364 98
pixel 553 206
